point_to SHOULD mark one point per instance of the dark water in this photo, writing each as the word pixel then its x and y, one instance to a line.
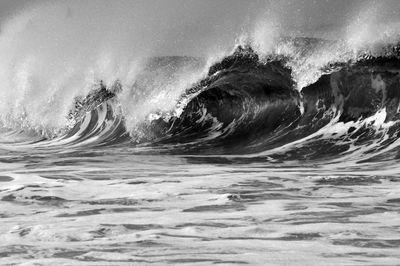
pixel 247 169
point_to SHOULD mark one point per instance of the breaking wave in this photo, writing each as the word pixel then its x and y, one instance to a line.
pixel 287 98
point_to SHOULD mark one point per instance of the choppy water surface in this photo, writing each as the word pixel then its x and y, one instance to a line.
pixel 109 207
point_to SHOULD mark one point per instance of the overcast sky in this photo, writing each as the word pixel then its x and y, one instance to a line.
pixel 192 20
pixel 330 10
pixel 300 13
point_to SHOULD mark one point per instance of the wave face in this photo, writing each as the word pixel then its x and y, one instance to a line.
pixel 248 105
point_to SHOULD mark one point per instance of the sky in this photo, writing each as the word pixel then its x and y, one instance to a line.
pixel 302 12
pixel 194 23
pixel 11 7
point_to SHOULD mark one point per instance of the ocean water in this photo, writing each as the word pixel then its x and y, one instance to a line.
pixel 109 207
pixel 277 149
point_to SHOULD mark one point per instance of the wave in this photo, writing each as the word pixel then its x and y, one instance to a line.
pixel 80 84
pixel 249 105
